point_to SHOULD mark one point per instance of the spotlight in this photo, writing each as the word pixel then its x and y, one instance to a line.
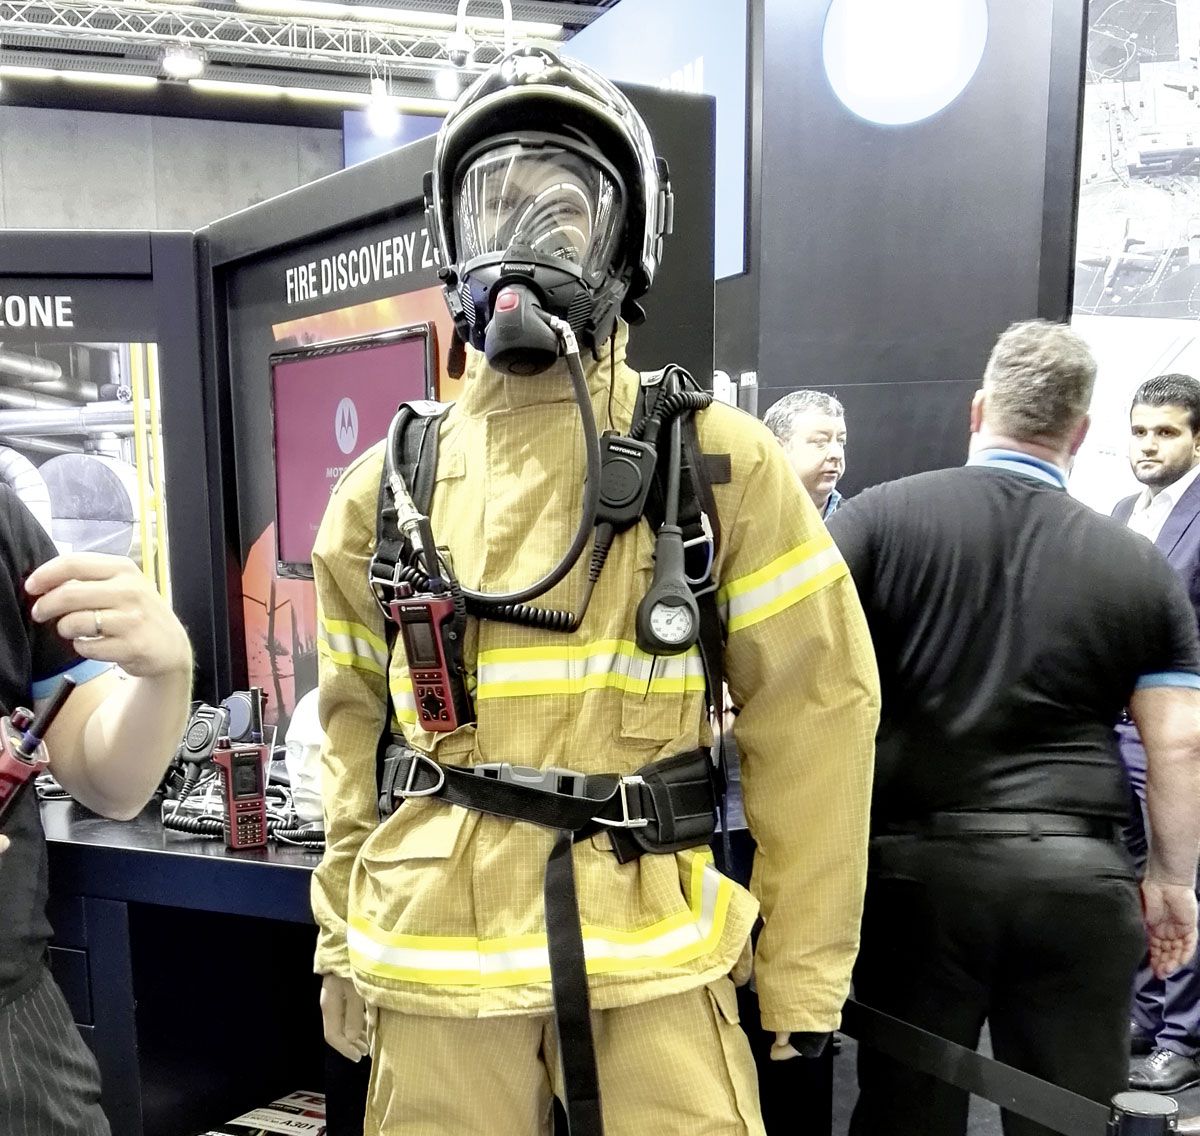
pixel 445 82
pixel 460 47
pixel 183 62
pixel 382 116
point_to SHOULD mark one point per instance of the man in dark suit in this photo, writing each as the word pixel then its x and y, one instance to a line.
pixel 1164 453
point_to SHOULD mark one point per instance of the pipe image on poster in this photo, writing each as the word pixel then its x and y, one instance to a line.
pixel 280 612
pixel 81 446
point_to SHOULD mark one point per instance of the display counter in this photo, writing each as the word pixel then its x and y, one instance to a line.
pixel 188 968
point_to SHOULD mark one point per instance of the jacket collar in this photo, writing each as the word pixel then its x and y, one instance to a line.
pixel 486 391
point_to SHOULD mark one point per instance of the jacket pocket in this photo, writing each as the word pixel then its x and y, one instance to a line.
pixel 420 830
pixel 739 1064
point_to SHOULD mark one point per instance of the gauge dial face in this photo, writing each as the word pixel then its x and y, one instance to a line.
pixel 670 622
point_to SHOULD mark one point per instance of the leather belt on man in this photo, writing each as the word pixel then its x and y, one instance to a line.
pixel 1001 823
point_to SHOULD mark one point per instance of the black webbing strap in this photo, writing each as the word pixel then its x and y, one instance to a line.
pixel 568 984
pixel 1057 1108
pixel 417 461
pixel 674 809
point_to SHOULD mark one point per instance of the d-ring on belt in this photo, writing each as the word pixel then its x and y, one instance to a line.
pixel 667 806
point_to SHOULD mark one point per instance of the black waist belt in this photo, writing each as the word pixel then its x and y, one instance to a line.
pixel 667 806
pixel 1033 825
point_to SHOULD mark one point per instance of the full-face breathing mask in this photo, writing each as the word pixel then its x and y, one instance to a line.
pixel 546 200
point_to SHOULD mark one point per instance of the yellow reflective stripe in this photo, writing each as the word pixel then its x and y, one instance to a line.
pixel 356 631
pixel 785 581
pixel 403 701
pixel 346 659
pixel 519 960
pixel 352 644
pixel 515 672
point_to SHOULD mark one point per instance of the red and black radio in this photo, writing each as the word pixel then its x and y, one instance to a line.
pixel 244 783
pixel 427 628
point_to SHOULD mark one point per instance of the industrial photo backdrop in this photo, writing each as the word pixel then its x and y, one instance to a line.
pixel 1137 259
pixel 81 445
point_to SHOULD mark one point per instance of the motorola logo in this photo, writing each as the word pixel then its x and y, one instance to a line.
pixel 345 425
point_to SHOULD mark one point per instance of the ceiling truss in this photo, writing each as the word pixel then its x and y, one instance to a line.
pixel 235 34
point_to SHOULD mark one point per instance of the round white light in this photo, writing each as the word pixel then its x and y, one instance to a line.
pixel 899 61
pixel 445 82
pixel 382 116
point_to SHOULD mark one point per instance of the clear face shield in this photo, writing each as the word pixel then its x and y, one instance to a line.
pixel 558 205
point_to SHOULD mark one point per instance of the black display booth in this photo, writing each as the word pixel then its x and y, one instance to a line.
pixel 71 303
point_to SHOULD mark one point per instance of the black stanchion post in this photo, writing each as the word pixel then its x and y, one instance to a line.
pixel 1142 1114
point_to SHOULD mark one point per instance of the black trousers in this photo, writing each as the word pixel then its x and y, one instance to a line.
pixel 1040 938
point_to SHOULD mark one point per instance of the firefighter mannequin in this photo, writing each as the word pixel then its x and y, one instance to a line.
pixel 548 208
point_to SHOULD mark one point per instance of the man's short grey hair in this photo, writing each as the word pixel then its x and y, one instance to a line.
pixel 1038 381
pixel 781 418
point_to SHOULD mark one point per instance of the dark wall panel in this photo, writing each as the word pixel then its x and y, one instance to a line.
pixel 894 429
pixel 896 255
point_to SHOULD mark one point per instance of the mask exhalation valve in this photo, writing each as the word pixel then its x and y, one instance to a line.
pixel 519 341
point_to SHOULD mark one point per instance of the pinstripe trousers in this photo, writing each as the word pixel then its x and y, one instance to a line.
pixel 49 1083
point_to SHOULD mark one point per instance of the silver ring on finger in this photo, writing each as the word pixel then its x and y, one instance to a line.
pixel 99 624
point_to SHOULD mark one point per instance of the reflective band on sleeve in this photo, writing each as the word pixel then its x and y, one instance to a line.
pixel 1169 678
pixel 785 581
pixel 352 645
pixel 519 672
pixel 466 961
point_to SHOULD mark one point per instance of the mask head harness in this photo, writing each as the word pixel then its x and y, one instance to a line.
pixel 546 199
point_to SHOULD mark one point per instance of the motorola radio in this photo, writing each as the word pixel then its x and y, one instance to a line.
pixel 427 627
pixel 243 769
pixel 22 748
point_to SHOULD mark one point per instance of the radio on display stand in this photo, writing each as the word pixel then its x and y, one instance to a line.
pixel 243 784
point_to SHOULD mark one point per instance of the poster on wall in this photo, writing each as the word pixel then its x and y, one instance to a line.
pixel 1137 269
pixel 375 281
pixel 81 440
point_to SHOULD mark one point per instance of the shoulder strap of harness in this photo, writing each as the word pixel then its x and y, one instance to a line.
pixel 699 520
pixel 416 459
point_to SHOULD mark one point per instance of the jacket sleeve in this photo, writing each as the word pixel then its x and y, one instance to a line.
pixel 801 668
pixel 351 666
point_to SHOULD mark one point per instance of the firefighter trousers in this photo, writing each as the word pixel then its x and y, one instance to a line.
pixel 676 1066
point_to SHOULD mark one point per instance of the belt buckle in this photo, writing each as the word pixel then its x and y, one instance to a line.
pixel 410 780
pixel 626 820
pixel 553 779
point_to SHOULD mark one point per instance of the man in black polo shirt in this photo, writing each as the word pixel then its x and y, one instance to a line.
pixel 72 615
pixel 1012 625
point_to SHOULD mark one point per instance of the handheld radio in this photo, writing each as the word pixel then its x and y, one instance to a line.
pixel 427 627
pixel 244 783
pixel 22 751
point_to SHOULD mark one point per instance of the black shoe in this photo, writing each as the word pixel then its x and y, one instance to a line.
pixel 1140 1044
pixel 1165 1071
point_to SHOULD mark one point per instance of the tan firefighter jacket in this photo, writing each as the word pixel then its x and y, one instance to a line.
pixel 438 910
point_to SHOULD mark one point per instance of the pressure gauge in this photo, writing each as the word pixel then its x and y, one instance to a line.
pixel 672 623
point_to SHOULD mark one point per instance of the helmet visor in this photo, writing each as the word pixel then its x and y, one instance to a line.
pixel 556 203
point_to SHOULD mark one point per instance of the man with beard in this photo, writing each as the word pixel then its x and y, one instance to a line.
pixel 1164 454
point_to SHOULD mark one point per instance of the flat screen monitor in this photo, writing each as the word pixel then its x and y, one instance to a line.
pixel 331 402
